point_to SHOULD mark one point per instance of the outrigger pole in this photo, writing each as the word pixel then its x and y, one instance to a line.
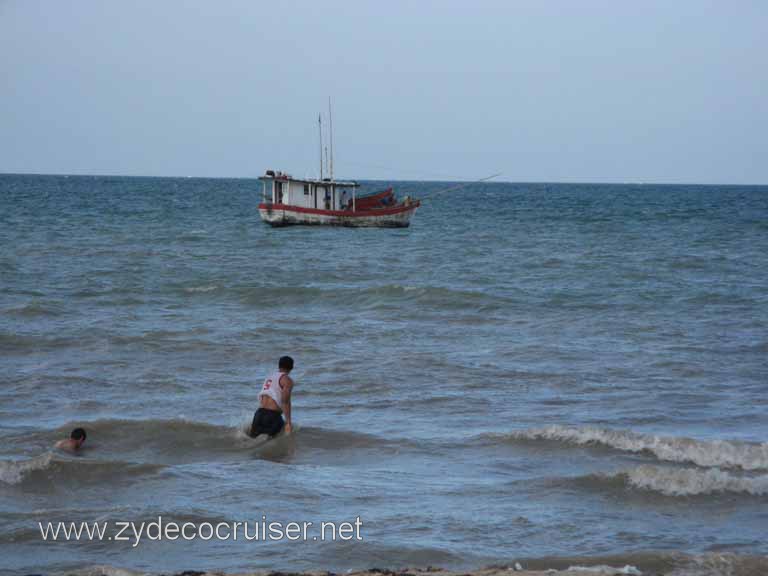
pixel 461 186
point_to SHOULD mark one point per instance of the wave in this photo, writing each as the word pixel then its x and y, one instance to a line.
pixel 202 288
pixel 95 292
pixel 48 469
pixel 675 482
pixel 323 438
pixel 371 296
pixel 159 339
pixel 36 309
pixel 395 560
pixel 716 453
pixel 334 293
pixel 184 441
pixel 173 438
pixel 13 472
pixel 645 563
pixel 720 565
pixel 693 482
pixel 34 344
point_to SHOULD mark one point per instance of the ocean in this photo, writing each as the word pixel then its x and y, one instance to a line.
pixel 550 374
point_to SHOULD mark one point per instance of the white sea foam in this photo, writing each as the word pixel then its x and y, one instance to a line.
pixel 208 288
pixel 718 453
pixel 603 570
pixel 13 472
pixel 718 565
pixel 109 571
pixel 693 481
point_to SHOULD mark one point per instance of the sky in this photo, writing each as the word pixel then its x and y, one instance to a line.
pixel 541 91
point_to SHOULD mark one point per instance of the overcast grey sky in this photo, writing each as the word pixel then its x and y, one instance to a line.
pixel 614 91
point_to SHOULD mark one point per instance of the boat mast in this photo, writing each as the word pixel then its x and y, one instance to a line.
pixel 320 127
pixel 330 122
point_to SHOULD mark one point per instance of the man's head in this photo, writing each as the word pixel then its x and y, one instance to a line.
pixel 285 364
pixel 78 435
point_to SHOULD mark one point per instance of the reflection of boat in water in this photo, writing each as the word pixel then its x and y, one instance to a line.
pixel 290 201
pixel 329 202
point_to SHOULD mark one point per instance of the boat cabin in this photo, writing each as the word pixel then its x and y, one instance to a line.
pixel 327 194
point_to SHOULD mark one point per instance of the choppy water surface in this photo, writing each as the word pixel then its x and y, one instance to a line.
pixel 529 371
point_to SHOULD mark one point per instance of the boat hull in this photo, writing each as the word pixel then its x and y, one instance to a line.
pixel 285 215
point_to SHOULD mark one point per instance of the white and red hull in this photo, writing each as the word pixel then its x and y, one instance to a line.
pixel 286 215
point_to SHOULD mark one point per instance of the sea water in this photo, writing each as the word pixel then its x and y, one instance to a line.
pixel 530 372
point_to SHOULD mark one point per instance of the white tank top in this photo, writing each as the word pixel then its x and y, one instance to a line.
pixel 273 389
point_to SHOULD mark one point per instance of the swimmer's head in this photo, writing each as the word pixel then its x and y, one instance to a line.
pixel 78 436
pixel 285 364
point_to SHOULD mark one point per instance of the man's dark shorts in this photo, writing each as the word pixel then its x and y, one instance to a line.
pixel 268 422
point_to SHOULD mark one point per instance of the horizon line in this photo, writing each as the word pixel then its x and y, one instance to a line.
pixel 468 181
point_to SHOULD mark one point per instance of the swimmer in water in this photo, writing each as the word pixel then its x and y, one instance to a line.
pixel 74 442
pixel 274 402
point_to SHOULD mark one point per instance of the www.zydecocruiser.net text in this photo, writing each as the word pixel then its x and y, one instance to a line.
pixel 161 529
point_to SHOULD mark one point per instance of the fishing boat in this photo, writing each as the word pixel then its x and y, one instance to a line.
pixel 288 201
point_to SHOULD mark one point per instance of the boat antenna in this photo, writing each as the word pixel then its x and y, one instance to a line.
pixel 459 186
pixel 330 124
pixel 320 127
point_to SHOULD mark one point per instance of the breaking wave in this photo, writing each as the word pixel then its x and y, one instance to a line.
pixel 48 470
pixel 670 481
pixel 693 482
pixel 650 563
pixel 716 453
pixel 13 471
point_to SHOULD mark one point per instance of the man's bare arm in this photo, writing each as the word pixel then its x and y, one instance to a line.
pixel 287 388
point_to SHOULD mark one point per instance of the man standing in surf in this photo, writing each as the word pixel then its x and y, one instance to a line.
pixel 274 401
